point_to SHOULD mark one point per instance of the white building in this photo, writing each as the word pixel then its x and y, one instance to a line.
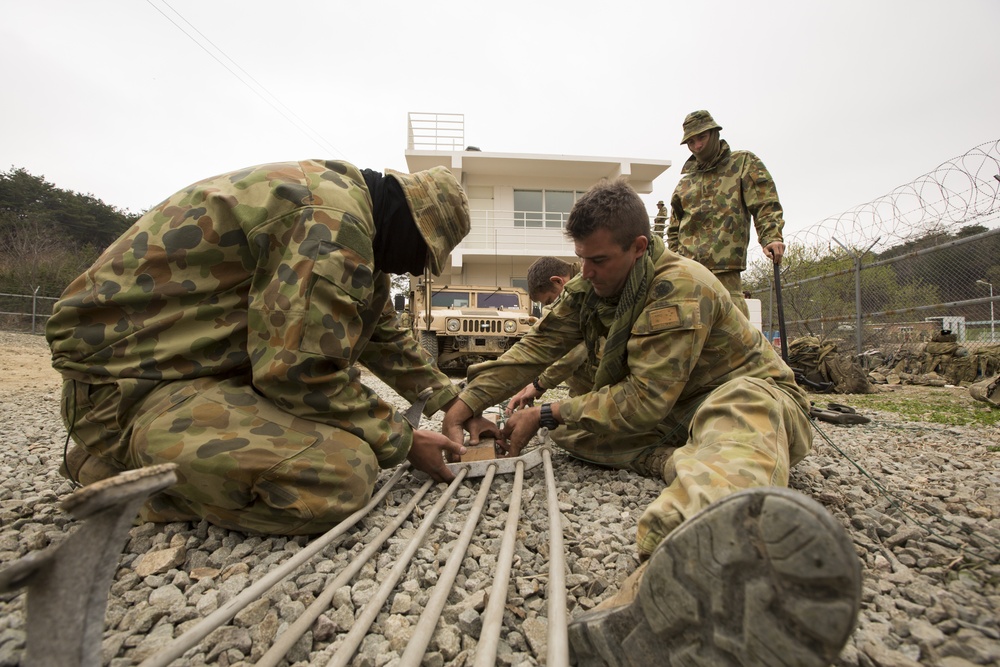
pixel 519 202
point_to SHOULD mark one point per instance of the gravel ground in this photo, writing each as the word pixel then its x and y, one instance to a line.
pixel 930 581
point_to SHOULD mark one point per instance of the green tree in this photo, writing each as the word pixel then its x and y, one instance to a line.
pixel 81 219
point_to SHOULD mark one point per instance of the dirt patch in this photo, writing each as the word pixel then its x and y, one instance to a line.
pixel 25 363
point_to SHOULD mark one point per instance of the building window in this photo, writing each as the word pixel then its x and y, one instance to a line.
pixel 538 208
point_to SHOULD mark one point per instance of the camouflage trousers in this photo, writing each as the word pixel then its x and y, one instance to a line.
pixel 733 282
pixel 244 464
pixel 744 434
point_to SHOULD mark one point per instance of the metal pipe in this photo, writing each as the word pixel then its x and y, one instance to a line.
pixel 424 630
pixel 356 635
pixel 223 614
pixel 284 642
pixel 489 636
pixel 558 649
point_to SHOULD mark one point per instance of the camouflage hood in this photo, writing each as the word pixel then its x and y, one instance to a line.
pixel 440 209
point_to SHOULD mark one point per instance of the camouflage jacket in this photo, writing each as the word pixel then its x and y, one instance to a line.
pixel 660 221
pixel 688 340
pixel 711 207
pixel 573 369
pixel 266 272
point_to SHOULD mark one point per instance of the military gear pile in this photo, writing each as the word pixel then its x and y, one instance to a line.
pixel 937 364
pixel 820 363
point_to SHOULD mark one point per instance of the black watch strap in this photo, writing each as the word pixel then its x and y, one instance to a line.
pixel 545 419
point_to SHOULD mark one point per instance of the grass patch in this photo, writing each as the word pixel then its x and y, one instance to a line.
pixel 944 409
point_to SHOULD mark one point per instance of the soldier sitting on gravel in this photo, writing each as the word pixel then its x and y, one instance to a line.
pixel 739 571
pixel 546 278
pixel 221 332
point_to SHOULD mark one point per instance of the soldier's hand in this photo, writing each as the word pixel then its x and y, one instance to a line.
pixel 426 454
pixel 455 415
pixel 458 418
pixel 519 429
pixel 523 399
pixel 479 426
pixel 775 250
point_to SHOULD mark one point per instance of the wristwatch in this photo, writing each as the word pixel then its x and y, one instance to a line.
pixel 546 419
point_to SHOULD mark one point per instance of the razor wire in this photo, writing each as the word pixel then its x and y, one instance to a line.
pixel 960 191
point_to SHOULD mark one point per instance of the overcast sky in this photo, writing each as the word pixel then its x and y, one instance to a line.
pixel 842 100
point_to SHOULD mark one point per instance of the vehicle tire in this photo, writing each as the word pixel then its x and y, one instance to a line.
pixel 429 341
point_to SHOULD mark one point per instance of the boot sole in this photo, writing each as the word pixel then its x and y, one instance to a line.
pixel 763 577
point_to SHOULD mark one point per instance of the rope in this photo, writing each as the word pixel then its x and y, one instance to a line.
pixel 895 502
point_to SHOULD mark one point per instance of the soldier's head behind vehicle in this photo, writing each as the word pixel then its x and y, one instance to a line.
pixel 440 210
pixel 546 277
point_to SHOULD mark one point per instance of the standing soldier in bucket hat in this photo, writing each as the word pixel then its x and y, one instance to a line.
pixel 660 221
pixel 222 331
pixel 710 210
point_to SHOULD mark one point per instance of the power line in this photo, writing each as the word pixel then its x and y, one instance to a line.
pixel 271 99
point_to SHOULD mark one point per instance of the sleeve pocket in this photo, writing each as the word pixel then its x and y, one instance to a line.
pixel 340 290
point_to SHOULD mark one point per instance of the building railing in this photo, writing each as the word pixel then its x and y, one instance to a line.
pixel 524 233
pixel 435 131
pixel 502 233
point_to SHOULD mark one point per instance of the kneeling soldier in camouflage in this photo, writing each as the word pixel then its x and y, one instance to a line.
pixel 737 571
pixel 221 333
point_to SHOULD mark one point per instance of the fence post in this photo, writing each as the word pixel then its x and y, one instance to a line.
pixel 34 307
pixel 857 287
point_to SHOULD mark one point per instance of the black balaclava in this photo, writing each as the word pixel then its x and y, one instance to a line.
pixel 399 247
pixel 711 150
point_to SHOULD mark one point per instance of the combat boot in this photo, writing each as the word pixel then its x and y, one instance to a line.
pixel 81 467
pixel 653 463
pixel 760 578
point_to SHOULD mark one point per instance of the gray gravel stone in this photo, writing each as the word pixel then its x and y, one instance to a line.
pixel 930 588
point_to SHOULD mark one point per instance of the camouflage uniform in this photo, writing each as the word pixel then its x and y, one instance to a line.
pixel 573 369
pixel 700 379
pixel 710 214
pixel 221 333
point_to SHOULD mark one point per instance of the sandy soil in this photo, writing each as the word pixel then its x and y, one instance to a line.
pixel 25 363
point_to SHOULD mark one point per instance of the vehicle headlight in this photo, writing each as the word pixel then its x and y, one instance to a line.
pixel 453 325
pixel 510 326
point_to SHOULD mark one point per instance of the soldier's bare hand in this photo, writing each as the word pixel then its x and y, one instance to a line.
pixel 455 416
pixel 519 429
pixel 426 454
pixel 523 399
pixel 775 250
pixel 480 426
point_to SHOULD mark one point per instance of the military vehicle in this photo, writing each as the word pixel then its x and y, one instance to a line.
pixel 459 325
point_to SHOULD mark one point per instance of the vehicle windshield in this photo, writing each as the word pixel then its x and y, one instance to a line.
pixel 448 299
pixel 497 300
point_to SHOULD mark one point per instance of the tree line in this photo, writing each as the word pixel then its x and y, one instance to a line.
pixel 49 235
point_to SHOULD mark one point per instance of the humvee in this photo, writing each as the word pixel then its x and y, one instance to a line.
pixel 459 325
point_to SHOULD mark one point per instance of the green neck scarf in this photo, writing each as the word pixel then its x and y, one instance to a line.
pixel 622 311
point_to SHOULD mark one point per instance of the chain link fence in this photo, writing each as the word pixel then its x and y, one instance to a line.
pixel 912 278
pixel 25 312
pixel 863 302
